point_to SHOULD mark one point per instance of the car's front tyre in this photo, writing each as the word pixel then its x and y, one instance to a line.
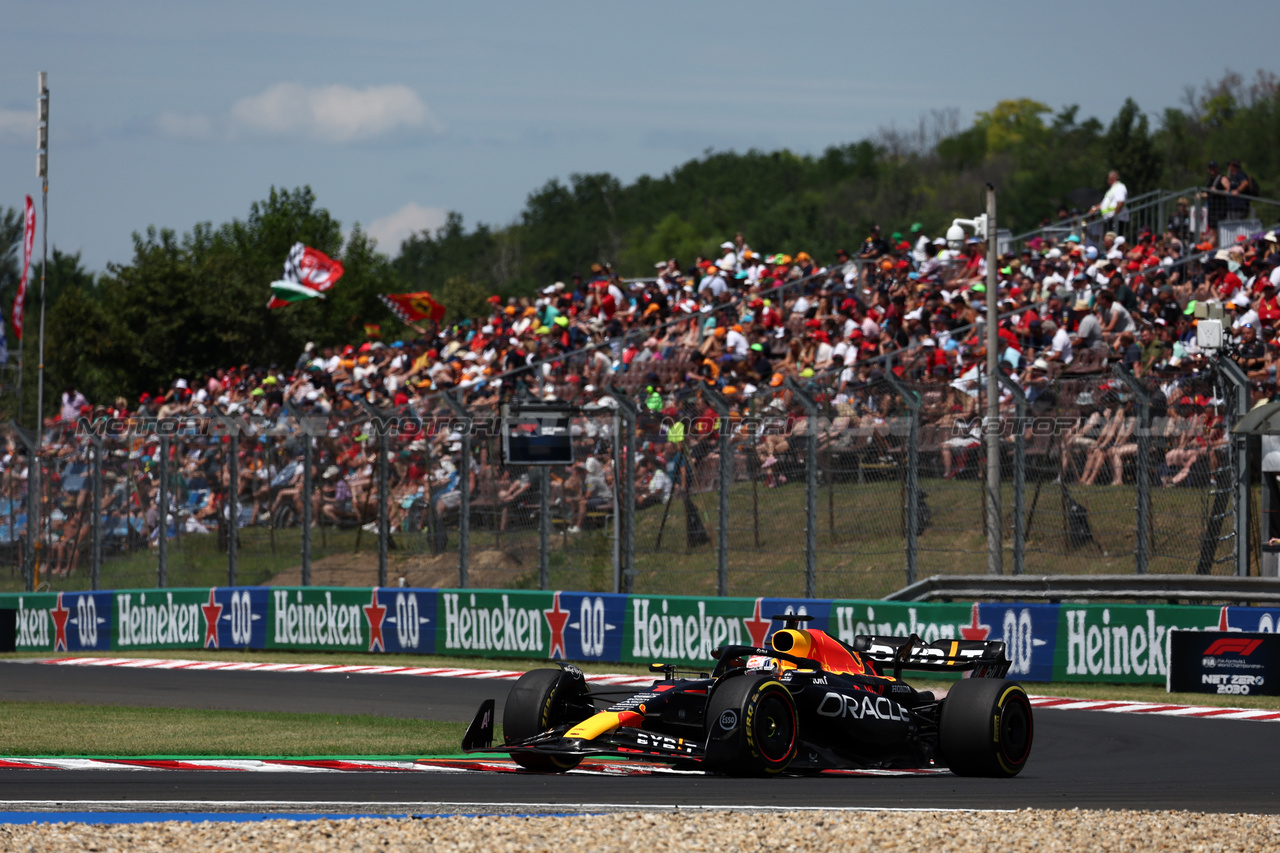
pixel 538 701
pixel 752 727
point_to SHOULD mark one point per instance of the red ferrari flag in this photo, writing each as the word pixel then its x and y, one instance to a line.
pixel 414 307
pixel 28 242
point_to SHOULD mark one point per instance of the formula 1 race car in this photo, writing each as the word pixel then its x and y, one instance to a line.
pixel 806 704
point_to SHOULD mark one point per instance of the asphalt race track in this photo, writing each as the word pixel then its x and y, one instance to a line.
pixel 1082 759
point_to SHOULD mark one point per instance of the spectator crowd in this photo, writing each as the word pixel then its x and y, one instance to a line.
pixel 740 322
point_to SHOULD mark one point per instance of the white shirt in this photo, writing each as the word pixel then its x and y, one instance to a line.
pixel 921 251
pixel 1062 345
pixel 715 284
pixel 1116 195
pixel 1248 318
pixel 736 343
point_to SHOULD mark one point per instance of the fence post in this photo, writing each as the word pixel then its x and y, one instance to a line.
pixel 304 428
pixel 464 486
pixel 911 400
pixel 629 413
pixel 33 496
pixel 95 552
pixel 1143 465
pixel 544 527
pixel 233 504
pixel 725 475
pixel 810 488
pixel 162 514
pixel 1019 472
pixel 1240 475
pixel 384 520
pixel 380 421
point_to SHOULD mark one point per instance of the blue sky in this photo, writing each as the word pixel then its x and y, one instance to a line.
pixel 169 114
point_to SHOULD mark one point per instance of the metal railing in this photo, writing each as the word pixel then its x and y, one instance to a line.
pixel 1171 588
pixel 1207 210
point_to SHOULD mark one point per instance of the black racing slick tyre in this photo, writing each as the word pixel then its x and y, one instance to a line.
pixel 986 728
pixel 752 727
pixel 537 702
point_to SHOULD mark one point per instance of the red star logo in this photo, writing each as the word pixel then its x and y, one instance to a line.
pixel 1222 620
pixel 212 613
pixel 757 626
pixel 975 630
pixel 556 620
pixel 60 616
pixel 375 613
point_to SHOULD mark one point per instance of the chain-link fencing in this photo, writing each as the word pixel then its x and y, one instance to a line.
pixel 846 483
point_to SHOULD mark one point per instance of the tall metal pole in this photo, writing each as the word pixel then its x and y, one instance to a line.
pixel 35 510
pixel 994 555
pixel 42 161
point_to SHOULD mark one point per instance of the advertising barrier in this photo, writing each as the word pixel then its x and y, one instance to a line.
pixel 1123 643
pixel 1225 664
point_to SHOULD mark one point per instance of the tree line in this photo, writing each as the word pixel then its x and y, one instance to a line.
pixel 191 303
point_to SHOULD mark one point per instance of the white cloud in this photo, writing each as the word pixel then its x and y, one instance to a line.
pixel 18 126
pixel 180 126
pixel 327 113
pixel 332 113
pixel 394 228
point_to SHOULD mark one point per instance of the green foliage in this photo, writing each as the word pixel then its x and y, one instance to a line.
pixel 1131 151
pixel 1013 125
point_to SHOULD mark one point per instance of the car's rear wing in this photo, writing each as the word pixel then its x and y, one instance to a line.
pixel 982 658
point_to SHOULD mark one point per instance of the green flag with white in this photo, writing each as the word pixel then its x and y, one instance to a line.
pixel 308 273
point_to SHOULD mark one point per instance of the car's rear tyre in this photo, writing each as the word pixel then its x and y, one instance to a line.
pixel 537 702
pixel 986 728
pixel 752 727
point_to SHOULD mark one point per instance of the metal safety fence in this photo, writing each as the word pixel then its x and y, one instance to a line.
pixel 848 483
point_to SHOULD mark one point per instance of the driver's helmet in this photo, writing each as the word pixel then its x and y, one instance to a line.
pixel 762 663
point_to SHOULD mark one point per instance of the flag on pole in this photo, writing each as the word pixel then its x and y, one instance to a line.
pixel 308 273
pixel 372 330
pixel 413 307
pixel 28 243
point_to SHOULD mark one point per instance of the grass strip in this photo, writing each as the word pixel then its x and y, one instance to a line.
pixel 55 729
